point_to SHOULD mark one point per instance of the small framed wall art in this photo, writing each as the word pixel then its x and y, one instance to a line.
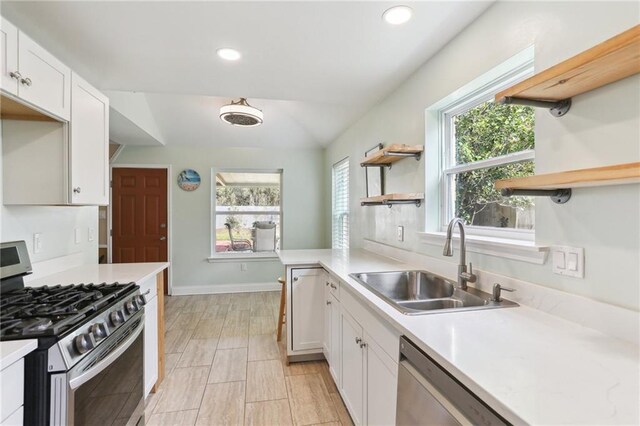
pixel 188 180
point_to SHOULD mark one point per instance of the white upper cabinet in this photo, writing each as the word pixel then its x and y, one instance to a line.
pixel 9 57
pixel 88 144
pixel 34 75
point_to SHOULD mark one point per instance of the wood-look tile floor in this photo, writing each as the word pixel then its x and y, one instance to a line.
pixel 224 367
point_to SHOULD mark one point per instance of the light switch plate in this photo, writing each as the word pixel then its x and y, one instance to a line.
pixel 37 242
pixel 400 232
pixel 568 261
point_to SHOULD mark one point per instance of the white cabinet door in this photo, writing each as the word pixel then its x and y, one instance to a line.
pixel 150 344
pixel 381 385
pixel 335 340
pixel 89 144
pixel 8 57
pixel 45 82
pixel 352 368
pixel 307 306
pixel 326 339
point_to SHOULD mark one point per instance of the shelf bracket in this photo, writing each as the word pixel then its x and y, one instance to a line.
pixel 376 165
pixel 556 108
pixel 415 155
pixel 558 196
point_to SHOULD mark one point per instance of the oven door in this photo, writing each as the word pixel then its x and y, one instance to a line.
pixel 106 387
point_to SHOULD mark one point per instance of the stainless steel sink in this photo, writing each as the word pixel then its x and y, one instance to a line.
pixel 421 292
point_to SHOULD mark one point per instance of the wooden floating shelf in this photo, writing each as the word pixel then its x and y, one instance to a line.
pixel 599 176
pixel 607 62
pixel 13 110
pixel 391 199
pixel 389 155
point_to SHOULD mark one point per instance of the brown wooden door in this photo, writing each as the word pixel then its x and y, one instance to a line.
pixel 139 222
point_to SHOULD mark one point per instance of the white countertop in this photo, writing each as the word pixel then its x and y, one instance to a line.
pixel 528 365
pixel 102 273
pixel 12 351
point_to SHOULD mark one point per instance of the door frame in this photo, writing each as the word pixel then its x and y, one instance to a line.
pixel 169 213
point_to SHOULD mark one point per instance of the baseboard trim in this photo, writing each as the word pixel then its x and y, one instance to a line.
pixel 224 288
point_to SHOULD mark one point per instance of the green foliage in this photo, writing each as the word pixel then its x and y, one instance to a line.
pixel 486 131
pixel 247 196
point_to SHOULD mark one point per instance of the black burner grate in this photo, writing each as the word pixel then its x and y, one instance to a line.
pixel 49 311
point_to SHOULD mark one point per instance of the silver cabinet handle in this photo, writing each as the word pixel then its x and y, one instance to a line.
pixel 326 284
pixel 26 81
pixel 328 302
pixel 76 190
pixel 295 278
pixel 363 345
pixel 333 286
pixel 163 238
pixel 358 340
pixel 16 75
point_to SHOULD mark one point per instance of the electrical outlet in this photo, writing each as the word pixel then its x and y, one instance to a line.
pixel 78 236
pixel 400 233
pixel 243 267
pixel 91 234
pixel 37 243
pixel 568 261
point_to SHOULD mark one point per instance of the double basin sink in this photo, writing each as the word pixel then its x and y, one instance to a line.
pixel 421 292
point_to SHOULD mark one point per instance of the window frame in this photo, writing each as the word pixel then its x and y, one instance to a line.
pixel 227 256
pixel 447 167
pixel 346 243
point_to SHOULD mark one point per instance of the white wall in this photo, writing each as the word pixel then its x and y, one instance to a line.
pixel 602 128
pixel 55 224
pixel 302 219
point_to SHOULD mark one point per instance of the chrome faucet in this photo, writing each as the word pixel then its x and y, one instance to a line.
pixel 463 276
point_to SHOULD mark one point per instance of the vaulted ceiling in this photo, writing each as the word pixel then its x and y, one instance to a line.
pixel 312 67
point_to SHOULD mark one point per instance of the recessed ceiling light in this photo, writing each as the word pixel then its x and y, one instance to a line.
pixel 229 54
pixel 397 15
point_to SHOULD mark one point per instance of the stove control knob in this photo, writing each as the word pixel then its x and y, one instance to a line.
pixel 99 330
pixel 140 300
pixel 84 342
pixel 116 318
pixel 131 307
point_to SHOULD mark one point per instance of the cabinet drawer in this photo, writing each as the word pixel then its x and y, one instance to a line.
pixel 11 388
pixel 15 419
pixel 148 287
pixel 386 337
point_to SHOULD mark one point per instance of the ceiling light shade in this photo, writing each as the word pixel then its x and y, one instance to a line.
pixel 397 15
pixel 228 54
pixel 241 114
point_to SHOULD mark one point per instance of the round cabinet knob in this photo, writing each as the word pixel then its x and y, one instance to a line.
pixel 131 307
pixel 140 300
pixel 116 318
pixel 84 343
pixel 99 330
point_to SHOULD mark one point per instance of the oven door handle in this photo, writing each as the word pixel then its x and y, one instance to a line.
pixel 76 382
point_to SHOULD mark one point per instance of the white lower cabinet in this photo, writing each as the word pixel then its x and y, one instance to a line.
pixel 381 385
pixel 307 309
pixel 326 339
pixel 335 344
pixel 148 288
pixel 352 368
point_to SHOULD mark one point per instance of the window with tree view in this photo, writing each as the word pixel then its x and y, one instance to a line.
pixel 247 212
pixel 484 142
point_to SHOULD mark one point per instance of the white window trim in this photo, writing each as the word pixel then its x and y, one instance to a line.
pixel 346 213
pixel 478 91
pixel 260 256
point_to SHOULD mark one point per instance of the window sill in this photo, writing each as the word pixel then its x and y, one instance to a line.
pixel 524 251
pixel 245 257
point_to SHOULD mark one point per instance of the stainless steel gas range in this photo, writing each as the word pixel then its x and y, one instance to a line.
pixel 88 367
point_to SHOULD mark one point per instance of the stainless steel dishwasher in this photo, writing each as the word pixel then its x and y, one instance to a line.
pixel 428 395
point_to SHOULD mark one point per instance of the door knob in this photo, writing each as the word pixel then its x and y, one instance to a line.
pixel 163 238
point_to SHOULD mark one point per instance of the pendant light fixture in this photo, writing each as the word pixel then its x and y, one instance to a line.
pixel 242 114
